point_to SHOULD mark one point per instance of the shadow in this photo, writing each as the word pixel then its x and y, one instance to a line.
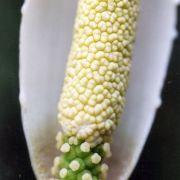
pixel 14 159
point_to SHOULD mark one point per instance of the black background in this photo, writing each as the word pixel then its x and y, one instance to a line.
pixel 160 159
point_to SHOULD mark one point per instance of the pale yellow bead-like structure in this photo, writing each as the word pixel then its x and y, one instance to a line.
pixel 98 68
pixel 95 84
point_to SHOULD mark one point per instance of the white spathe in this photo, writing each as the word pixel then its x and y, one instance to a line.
pixel 45 39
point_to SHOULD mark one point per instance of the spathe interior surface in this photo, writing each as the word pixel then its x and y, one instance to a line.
pixel 45 39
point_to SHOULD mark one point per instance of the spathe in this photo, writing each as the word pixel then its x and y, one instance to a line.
pixel 45 39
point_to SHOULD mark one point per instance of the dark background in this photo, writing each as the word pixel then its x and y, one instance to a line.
pixel 160 159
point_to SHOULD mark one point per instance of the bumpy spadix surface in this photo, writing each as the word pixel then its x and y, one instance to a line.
pixel 45 39
pixel 98 68
pixel 95 84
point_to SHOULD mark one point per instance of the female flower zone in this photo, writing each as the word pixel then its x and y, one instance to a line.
pixel 94 87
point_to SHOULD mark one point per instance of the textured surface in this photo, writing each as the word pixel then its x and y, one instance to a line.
pixel 152 165
pixel 79 160
pixel 98 69
pixel 96 78
pixel 43 33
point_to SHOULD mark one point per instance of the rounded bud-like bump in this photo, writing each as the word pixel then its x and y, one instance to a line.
pixel 63 173
pixel 85 147
pixel 95 158
pixel 65 148
pixel 59 139
pixel 104 168
pixel 86 176
pixel 74 165
pixel 54 171
pixel 94 88
pixel 56 161
pixel 104 34
pixel 107 149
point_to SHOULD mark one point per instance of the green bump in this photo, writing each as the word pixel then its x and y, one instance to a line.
pixel 96 170
pixel 70 175
pixel 63 173
pixel 81 162
pixel 99 149
pixel 94 178
pixel 93 159
pixel 71 154
pixel 80 153
pixel 65 138
pixel 77 165
pixel 82 174
pixel 63 162
pixel 88 162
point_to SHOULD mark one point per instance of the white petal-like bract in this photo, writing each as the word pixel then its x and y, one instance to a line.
pixel 45 39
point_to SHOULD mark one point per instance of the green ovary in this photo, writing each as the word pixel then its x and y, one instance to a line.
pixel 80 161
